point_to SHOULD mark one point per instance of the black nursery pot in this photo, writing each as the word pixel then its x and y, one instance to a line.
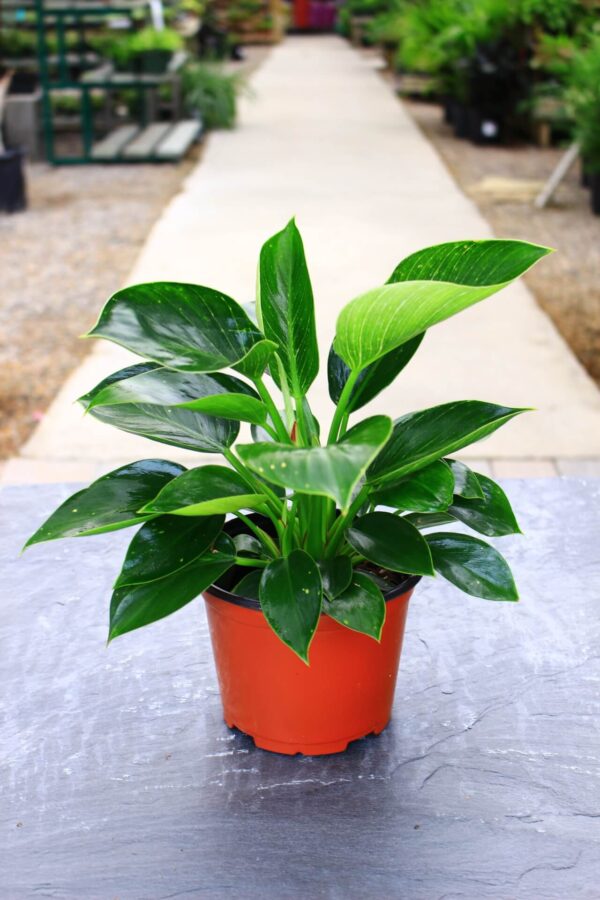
pixel 153 62
pixel 460 120
pixel 594 183
pixel 12 181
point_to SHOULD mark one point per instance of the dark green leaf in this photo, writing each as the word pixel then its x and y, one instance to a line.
pixel 249 585
pixel 149 383
pixel 160 421
pixel 165 545
pixel 361 607
pixel 336 575
pixel 429 520
pixel 110 503
pixel 419 438
pixel 465 480
pixel 332 471
pixel 374 378
pixel 472 565
pixel 207 491
pixel 377 322
pixel 492 515
pixel 428 490
pixel 137 605
pixel 290 598
pixel 170 425
pixel 182 326
pixel 286 307
pixel 391 542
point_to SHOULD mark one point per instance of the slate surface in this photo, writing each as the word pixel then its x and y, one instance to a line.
pixel 119 779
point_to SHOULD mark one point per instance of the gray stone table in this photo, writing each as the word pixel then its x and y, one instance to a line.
pixel 119 779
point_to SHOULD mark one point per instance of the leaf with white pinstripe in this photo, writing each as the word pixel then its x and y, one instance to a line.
pixel 182 326
pixel 426 289
pixel 286 308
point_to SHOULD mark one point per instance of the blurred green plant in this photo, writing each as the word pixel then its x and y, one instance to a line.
pixel 211 93
pixel 583 103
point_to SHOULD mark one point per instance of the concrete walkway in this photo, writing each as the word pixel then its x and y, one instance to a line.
pixel 323 138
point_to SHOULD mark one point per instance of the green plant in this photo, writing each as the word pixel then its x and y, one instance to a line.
pixel 212 93
pixel 149 39
pixel 342 512
pixel 583 103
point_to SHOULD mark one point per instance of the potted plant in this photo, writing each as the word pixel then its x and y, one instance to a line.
pixel 12 178
pixel 583 101
pixel 307 585
pixel 152 50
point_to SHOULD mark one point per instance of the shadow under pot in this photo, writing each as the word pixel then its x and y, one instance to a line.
pixel 287 706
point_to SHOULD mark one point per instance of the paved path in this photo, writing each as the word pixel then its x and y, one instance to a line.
pixel 323 137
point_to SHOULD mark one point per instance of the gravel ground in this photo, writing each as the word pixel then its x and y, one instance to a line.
pixel 567 286
pixel 60 260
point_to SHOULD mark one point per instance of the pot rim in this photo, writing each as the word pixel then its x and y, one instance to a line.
pixel 406 584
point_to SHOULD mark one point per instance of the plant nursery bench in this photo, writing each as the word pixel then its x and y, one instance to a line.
pixel 120 780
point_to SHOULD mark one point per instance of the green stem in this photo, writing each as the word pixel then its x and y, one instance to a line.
pixel 276 419
pixel 340 410
pixel 259 487
pixel 288 535
pixel 285 390
pixel 344 521
pixel 247 561
pixel 301 433
pixel 344 425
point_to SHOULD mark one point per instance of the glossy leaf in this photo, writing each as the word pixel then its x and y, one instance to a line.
pixel 360 607
pixel 492 516
pixel 136 605
pixel 110 503
pixel 254 364
pixel 205 491
pixel 247 545
pixel 391 542
pixel 149 383
pixel 472 565
pixel 384 318
pixel 429 520
pixel 248 586
pixel 428 490
pixel 465 480
pixel 165 545
pixel 170 425
pixel 336 575
pixel 290 598
pixel 286 307
pixel 419 438
pixel 470 262
pixel 238 407
pixel 332 471
pixel 374 378
pixel 182 326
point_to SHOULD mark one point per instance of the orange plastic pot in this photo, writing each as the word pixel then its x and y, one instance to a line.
pixel 289 707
